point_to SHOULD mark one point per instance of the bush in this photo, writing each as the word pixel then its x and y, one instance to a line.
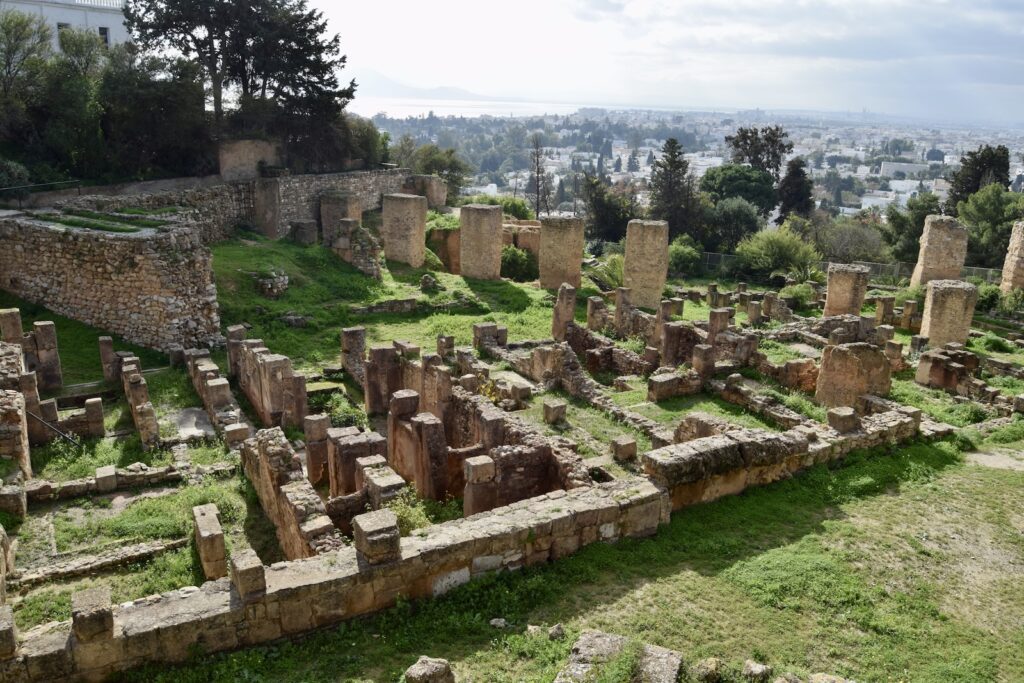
pixel 13 174
pixel 803 293
pixel 1012 302
pixel 513 206
pixel 988 297
pixel 771 251
pixel 911 294
pixel 991 341
pixel 519 265
pixel 343 413
pixel 683 256
pixel 432 261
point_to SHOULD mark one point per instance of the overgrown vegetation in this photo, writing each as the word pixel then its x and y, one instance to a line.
pixel 518 264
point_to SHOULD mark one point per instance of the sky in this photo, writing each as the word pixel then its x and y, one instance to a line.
pixel 951 60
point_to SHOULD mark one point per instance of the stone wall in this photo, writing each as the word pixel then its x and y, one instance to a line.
pixel 241 159
pixel 943 251
pixel 154 288
pixel 277 393
pixel 847 286
pixel 646 261
pixel 480 241
pixel 14 430
pixel 849 371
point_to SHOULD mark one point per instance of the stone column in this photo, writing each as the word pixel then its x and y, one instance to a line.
pixel 718 322
pixel 561 251
pixel 597 314
pixel 646 266
pixel 847 287
pixel 481 492
pixel 849 371
pixel 210 541
pixel 317 448
pixel 1013 266
pixel 623 311
pixel 565 311
pixel 404 227
pixel 480 241
pixel 47 356
pixel 353 352
pixel 943 251
pixel 108 359
pixel 948 310
pixel 10 326
pixel 376 537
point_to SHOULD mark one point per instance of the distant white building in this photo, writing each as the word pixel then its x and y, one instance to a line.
pixel 105 17
pixel 890 168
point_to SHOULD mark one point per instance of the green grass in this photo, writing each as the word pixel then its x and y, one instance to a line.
pixel 86 223
pixel 159 211
pixel 591 429
pixel 777 352
pixel 415 513
pixel 934 403
pixel 855 571
pixel 672 410
pixel 111 218
pixel 77 342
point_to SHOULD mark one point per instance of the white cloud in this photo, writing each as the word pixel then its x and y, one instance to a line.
pixel 959 58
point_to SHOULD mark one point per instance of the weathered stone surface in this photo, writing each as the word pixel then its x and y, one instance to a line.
pixel 948 311
pixel 1013 266
pixel 403 228
pixel 554 410
pixel 92 614
pixel 646 261
pixel 847 287
pixel 561 251
pixel 564 312
pixel 480 241
pixel 849 371
pixel 427 670
pixel 376 536
pixel 943 251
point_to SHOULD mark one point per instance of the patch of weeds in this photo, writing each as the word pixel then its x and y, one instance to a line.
pixel 415 513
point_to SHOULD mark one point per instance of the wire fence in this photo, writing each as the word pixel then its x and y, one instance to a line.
pixel 726 263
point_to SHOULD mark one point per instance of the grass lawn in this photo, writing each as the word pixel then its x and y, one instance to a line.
pixel 902 566
pixel 671 411
pixel 590 428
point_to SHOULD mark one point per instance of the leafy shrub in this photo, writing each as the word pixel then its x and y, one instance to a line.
pixel 803 293
pixel 988 297
pixel 609 273
pixel 518 264
pixel 343 413
pixel 513 206
pixel 773 251
pixel 1012 302
pixel 441 221
pixel 683 256
pixel 432 261
pixel 13 174
pixel 990 341
pixel 911 294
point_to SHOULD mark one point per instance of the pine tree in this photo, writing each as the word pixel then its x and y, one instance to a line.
pixel 674 195
pixel 795 191
pixel 651 158
pixel 617 166
pixel 633 165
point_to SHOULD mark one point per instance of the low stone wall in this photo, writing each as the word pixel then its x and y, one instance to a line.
pixel 259 604
pixel 154 288
pixel 277 393
pixel 109 479
pixel 215 392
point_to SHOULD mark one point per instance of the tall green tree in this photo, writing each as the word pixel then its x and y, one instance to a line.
pixel 736 180
pixel 796 191
pixel 763 148
pixel 446 163
pixel 730 221
pixel 903 227
pixel 674 194
pixel 608 211
pixel 989 215
pixel 24 46
pixel 985 166
pixel 633 164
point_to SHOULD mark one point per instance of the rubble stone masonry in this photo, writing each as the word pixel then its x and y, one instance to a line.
pixel 154 288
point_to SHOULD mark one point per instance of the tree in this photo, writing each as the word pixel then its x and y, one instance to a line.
pixel 989 215
pixel 730 221
pixel 83 51
pixel 985 166
pixel 403 152
pixel 674 194
pixel 24 46
pixel 903 228
pixel 432 160
pixel 633 165
pixel 539 185
pixel 764 149
pixel 608 211
pixel 617 166
pixel 735 180
pixel 560 194
pixel 651 158
pixel 935 155
pixel 796 191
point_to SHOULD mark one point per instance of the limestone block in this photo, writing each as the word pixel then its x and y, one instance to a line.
pixel 479 469
pixel 247 574
pixel 92 614
pixel 1013 266
pixel 564 311
pixel 210 541
pixel 849 371
pixel 646 262
pixel 624 448
pixel 235 434
pixel 376 536
pixel 305 232
pixel 943 251
pixel 403 228
pixel 843 419
pixel 8 633
pixel 106 479
pixel 948 311
pixel 847 287
pixel 554 411
pixel 480 241
pixel 561 251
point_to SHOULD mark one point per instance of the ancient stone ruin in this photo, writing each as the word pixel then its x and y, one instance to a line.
pixel 943 251
pixel 404 227
pixel 948 310
pixel 1013 266
pixel 561 251
pixel 847 287
pixel 646 265
pixel 480 242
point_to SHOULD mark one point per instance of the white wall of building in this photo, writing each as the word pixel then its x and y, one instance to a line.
pixel 81 14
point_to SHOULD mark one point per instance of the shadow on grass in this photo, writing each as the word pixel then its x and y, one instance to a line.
pixel 708 539
pixel 500 295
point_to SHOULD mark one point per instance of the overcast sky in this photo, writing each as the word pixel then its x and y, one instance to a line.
pixel 955 59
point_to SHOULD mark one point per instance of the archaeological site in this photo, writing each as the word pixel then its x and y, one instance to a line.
pixel 278 407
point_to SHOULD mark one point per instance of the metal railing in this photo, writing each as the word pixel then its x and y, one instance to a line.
pixel 32 188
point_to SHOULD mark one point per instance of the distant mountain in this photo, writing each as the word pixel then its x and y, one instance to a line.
pixel 377 84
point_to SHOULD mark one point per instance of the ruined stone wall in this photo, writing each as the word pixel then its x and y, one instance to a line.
pixel 216 211
pixel 154 288
pixel 847 286
pixel 943 251
pixel 646 261
pixel 277 393
pixel 948 311
pixel 279 201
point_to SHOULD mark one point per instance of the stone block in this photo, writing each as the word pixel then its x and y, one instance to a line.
pixel 235 434
pixel 843 419
pixel 561 252
pixel 847 287
pixel 554 410
pixel 106 479
pixel 376 537
pixel 427 670
pixel 646 261
pixel 92 614
pixel 209 538
pixel 480 241
pixel 849 371
pixel 943 251
pixel 8 633
pixel 479 469
pixel 948 311
pixel 247 574
pixel 1013 266
pixel 624 448
pixel 403 228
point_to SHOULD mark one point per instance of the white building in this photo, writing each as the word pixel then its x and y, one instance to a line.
pixel 105 17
